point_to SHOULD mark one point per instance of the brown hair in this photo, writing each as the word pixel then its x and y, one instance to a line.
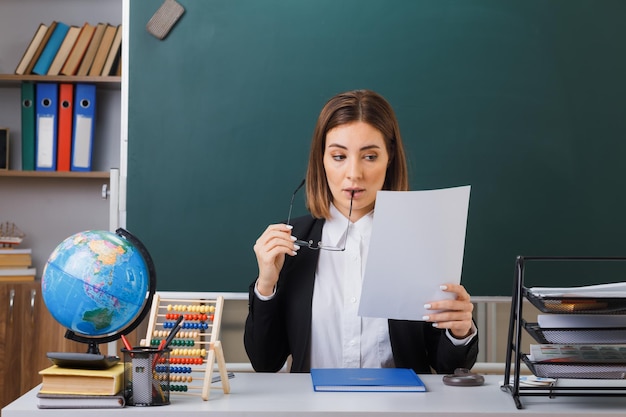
pixel 351 106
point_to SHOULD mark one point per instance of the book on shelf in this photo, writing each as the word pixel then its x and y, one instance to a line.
pixel 80 401
pixel 40 48
pixel 17 274
pixel 366 379
pixel 15 258
pixel 114 53
pixel 103 50
pixel 58 380
pixel 90 54
pixel 118 66
pixel 78 51
pixel 64 50
pixel 50 50
pixel 29 53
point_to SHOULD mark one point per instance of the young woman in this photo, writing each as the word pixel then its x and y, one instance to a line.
pixel 304 301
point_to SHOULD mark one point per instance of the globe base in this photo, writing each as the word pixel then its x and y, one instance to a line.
pixel 82 360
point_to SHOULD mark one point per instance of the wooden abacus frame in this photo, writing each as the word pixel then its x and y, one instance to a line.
pixel 163 307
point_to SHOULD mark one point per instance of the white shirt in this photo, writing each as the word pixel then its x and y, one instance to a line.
pixel 339 337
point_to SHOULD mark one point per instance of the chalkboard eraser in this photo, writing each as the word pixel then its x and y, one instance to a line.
pixel 164 19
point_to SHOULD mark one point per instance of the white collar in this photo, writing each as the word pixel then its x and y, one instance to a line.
pixel 336 225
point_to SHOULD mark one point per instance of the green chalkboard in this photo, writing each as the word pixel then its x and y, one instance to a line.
pixel 524 100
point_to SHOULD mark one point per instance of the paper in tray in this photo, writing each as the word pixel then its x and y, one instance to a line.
pixel 613 290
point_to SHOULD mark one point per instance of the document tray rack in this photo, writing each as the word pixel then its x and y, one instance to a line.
pixel 600 372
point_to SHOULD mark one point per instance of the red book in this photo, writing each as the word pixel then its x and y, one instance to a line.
pixel 66 114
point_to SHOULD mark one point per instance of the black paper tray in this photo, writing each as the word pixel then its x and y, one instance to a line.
pixel 578 370
pixel 605 335
pixel 580 305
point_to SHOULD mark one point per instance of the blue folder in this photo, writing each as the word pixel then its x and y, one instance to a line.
pixel 46 117
pixel 366 379
pixel 83 129
pixel 50 50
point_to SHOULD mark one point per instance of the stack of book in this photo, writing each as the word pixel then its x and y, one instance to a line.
pixel 16 265
pixel 62 49
pixel 81 388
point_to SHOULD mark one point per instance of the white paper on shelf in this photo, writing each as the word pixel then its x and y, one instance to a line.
pixel 614 290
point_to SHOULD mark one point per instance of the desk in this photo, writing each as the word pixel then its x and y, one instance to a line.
pixel 289 395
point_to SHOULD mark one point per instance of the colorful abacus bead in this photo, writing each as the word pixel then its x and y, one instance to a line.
pixel 177 388
pixel 180 378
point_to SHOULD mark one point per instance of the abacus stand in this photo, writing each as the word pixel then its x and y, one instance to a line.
pixel 215 353
pixel 210 339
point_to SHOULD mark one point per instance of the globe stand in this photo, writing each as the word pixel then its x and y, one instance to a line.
pixel 82 360
pixel 93 348
pixel 93 359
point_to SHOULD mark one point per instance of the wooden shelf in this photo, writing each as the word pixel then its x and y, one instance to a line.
pixel 54 174
pixel 12 80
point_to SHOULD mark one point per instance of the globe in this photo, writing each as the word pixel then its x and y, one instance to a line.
pixel 99 285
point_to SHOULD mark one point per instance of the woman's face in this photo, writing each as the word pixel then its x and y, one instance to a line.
pixel 355 159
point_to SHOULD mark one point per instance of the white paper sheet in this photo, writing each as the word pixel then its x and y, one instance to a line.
pixel 613 290
pixel 417 244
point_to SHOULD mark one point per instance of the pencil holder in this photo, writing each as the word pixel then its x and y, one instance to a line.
pixel 146 376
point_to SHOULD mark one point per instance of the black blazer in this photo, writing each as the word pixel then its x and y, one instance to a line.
pixel 281 326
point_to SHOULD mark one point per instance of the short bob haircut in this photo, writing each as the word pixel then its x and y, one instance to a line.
pixel 348 107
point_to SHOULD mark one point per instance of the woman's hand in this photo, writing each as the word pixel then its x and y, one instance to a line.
pixel 455 314
pixel 270 249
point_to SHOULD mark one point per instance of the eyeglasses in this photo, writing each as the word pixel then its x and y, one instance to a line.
pixel 320 245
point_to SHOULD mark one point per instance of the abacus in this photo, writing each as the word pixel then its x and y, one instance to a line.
pixel 195 347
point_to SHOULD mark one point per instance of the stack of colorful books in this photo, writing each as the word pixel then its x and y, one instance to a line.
pixel 62 49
